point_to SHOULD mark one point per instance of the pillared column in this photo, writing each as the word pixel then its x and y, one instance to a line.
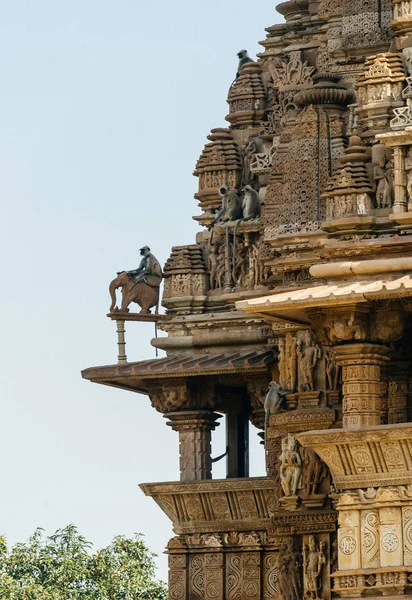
pixel 195 436
pixel 397 374
pixel 361 376
pixel 400 204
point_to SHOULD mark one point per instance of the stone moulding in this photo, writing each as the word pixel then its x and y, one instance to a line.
pixel 368 457
pixel 298 420
pixel 232 505
pixel 363 582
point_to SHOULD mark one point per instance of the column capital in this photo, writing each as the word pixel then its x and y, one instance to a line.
pixel 198 420
pixel 340 325
pixel 180 394
pixel 362 354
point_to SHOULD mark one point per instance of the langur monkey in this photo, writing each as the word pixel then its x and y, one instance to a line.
pixel 231 207
pixel 244 58
pixel 273 403
pixel 251 205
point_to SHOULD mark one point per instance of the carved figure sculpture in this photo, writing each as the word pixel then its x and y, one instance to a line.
pixel 244 58
pixel 140 285
pixel 282 362
pixel 309 354
pixel 290 466
pixel 289 572
pixel 294 570
pixel 251 204
pixel 314 471
pixel 231 209
pixel 291 365
pixel 248 155
pixel 332 370
pixel 361 204
pixel 283 573
pixel 240 264
pixel 254 266
pixel 408 169
pixel 334 561
pixel 314 558
pixel 213 265
pixel 221 267
pixel 407 57
pixel 144 295
pixel 382 175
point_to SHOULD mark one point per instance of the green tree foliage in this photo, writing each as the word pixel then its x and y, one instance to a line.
pixel 63 567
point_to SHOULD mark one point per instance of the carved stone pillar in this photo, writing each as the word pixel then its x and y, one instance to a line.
pixel 397 373
pixel 400 204
pixel 177 552
pixel 361 376
pixel 195 436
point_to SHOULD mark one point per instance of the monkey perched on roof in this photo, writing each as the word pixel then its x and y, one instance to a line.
pixel 244 58
pixel 231 209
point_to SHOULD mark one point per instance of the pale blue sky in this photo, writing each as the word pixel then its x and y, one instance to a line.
pixel 105 106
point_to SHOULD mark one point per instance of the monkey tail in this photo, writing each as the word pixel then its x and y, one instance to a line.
pixel 211 238
pixel 266 428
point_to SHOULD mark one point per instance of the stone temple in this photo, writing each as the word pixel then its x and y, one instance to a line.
pixel 299 282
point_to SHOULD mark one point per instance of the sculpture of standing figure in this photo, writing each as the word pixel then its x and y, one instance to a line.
pixel 283 379
pixel 314 472
pixel 382 176
pixel 249 151
pixel 221 267
pixel 295 564
pixel 314 558
pixel 283 573
pixel 408 169
pixel 289 572
pixel 332 370
pixel 290 466
pixel 334 561
pixel 291 366
pixel 309 354
pixel 255 265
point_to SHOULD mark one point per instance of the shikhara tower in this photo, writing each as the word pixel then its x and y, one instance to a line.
pixel 315 295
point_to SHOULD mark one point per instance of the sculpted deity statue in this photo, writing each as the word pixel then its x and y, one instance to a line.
pixel 221 267
pixel 282 362
pixel 314 558
pixel 140 285
pixel 383 175
pixel 332 370
pixel 240 264
pixel 291 365
pixel 289 571
pixel 249 151
pixel 290 466
pixel 334 561
pixel 314 471
pixel 408 169
pixel 309 354
pixel 287 362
